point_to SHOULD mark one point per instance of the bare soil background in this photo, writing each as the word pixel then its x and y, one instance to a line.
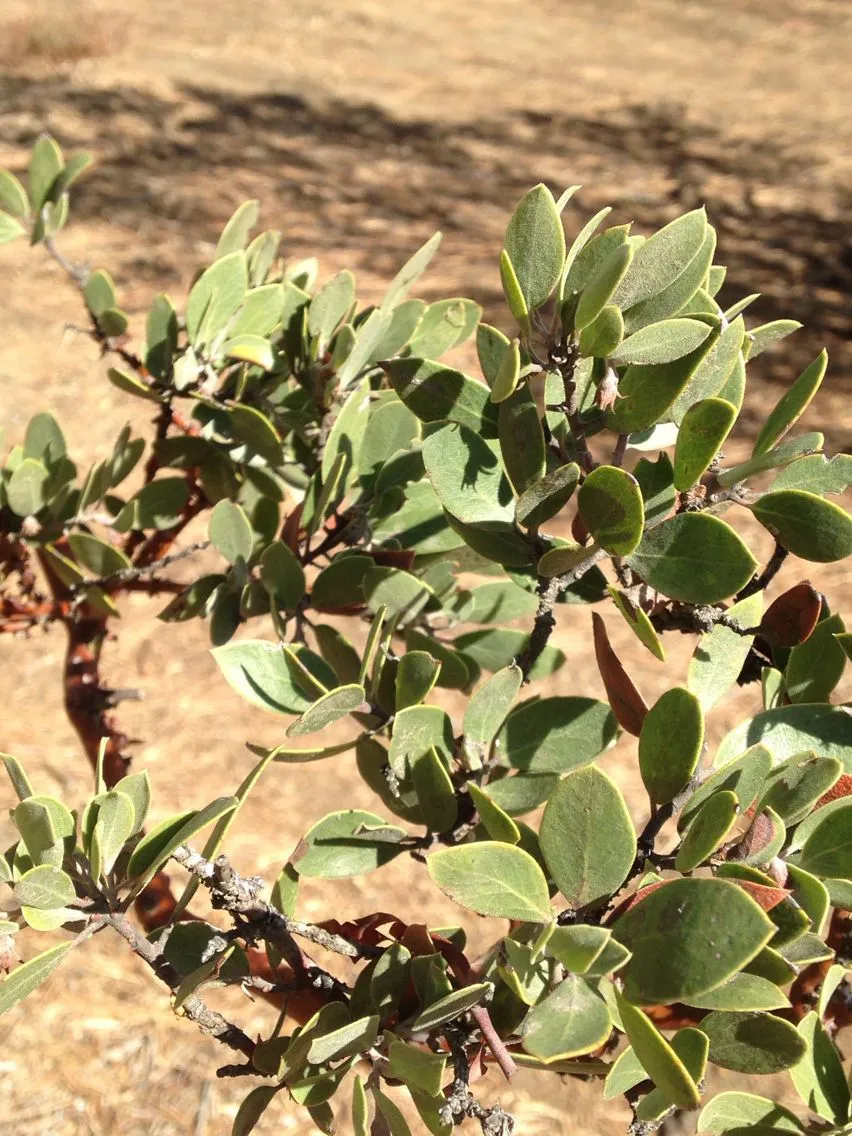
pixel 363 126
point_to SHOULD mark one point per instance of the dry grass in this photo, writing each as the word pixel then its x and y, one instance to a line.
pixel 52 34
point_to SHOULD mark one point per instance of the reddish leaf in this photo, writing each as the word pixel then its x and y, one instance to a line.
pixel 393 557
pixel 760 835
pixel 791 618
pixel 290 530
pixel 578 530
pixel 627 703
pixel 841 788
pixel 763 896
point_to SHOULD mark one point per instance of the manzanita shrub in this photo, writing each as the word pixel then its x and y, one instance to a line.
pixel 343 470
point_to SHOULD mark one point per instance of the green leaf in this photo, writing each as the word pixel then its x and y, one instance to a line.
pixel 453 673
pixel 491 348
pixel 434 392
pixel 712 374
pixel 546 497
pixel 816 666
pixel 252 1109
pixel 487 710
pixel 452 1006
pixel 391 427
pixel 27 488
pixel 215 297
pixel 332 849
pixel 601 337
pixel 683 296
pixel 706 929
pixel 230 532
pixel 44 439
pixel 415 1066
pixel 656 481
pixel 602 284
pixel 99 557
pixel 13 196
pixel 752 1043
pixel 819 1077
pixel 45 167
pixel 347 433
pixel 648 391
pixel 522 792
pixel 155 848
pixel 497 823
pixel 587 859
pixel 792 404
pixel 610 503
pixel 691 1047
pixel 114 827
pixel 434 790
pixel 817 474
pixel 661 342
pixel 790 730
pixel 661 259
pixel 719 656
pixel 493 648
pixel 783 454
pixel 806 525
pixel 17 776
pixel 442 326
pixel 236 233
pixel 401 593
pixel 272 677
pixel 743 992
pixel 657 1057
pixel 348 1040
pixel 740 1112
pixel 44 888
pixel 156 506
pixel 710 826
pixel 796 784
pixel 521 440
pixel 415 730
pixel 515 301
pixel 579 263
pixel 492 878
pixel 47 828
pixel 555 735
pixel 416 675
pixel 253 349
pixel 535 246
pixel 571 1021
pixel 282 575
pixel 507 374
pixel 702 433
pixel 30 975
pixel 828 848
pixel 638 622
pixel 466 475
pixel 328 708
pixel 329 307
pixel 759 338
pixel 258 433
pixel 672 558
pixel 625 1073
pixel 670 744
pixel 410 273
pixel 577 946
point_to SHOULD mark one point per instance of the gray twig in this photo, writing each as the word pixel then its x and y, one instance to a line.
pixel 240 897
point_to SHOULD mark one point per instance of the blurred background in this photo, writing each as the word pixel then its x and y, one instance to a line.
pixel 363 126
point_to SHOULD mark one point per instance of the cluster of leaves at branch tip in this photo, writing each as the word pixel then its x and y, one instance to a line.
pixel 391 542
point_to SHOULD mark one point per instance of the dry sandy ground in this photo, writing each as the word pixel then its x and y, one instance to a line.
pixel 363 126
